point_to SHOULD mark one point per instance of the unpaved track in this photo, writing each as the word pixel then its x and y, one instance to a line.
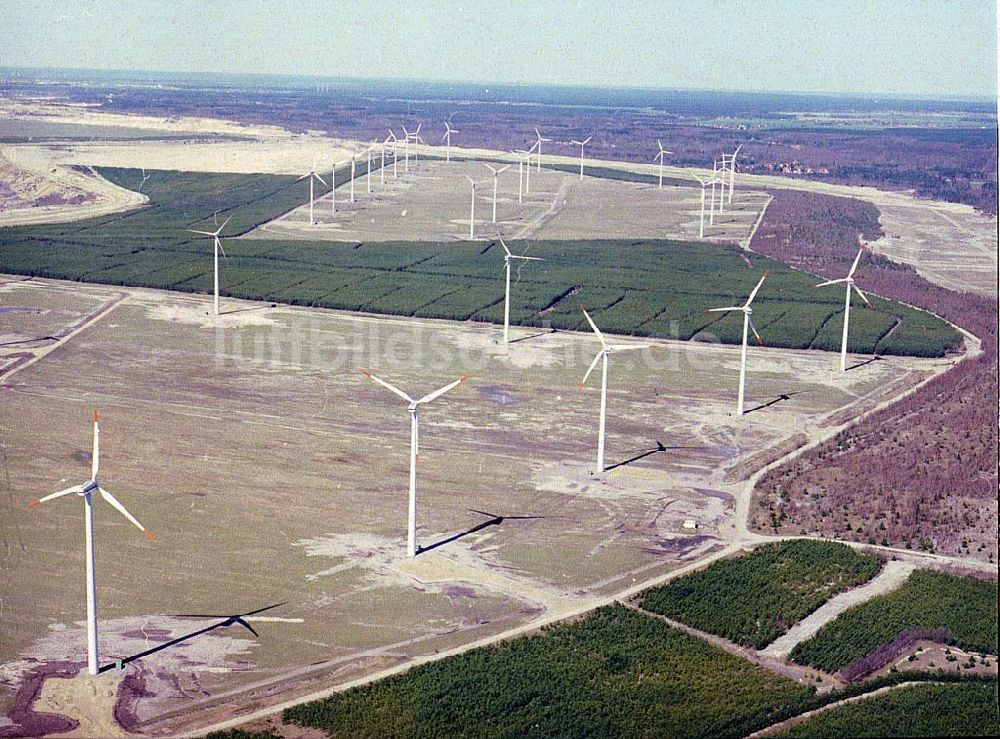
pixel 891 577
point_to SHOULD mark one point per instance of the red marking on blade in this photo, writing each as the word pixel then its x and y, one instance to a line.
pixel 34 503
pixel 366 374
pixel 148 533
pixel 95 415
pixel 463 378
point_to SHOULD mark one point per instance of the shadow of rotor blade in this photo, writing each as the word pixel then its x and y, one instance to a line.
pixel 863 363
pixel 455 537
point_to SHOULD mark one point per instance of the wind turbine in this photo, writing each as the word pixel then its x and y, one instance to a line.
pixel 602 356
pixel 218 248
pixel 719 165
pixel 395 157
pixel 506 300
pixel 538 143
pixel 732 171
pixel 849 281
pixel 704 184
pixel 311 174
pixel 496 174
pixel 660 157
pixel 747 324
pixel 144 178
pixel 86 491
pixel 526 153
pixel 581 144
pixel 414 445
pixel 448 131
pixel 472 210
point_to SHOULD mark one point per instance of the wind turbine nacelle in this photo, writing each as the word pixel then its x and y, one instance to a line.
pixel 90 487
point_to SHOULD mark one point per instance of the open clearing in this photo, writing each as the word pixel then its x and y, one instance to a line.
pixel 431 202
pixel 272 472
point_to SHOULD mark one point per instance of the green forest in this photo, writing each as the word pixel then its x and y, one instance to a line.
pixel 755 598
pixel 961 709
pixel 966 607
pixel 657 288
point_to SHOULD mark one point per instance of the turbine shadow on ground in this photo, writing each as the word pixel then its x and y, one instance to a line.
pixel 226 621
pixel 32 341
pixel 646 453
pixel 493 520
pixel 768 404
pixel 864 362
pixel 250 308
pixel 532 336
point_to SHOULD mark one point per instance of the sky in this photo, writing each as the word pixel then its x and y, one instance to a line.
pixel 941 48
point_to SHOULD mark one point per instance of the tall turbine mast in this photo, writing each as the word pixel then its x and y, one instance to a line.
pixel 506 300
pixel 86 491
pixel 849 281
pixel 747 324
pixel 218 248
pixel 414 408
pixel 581 144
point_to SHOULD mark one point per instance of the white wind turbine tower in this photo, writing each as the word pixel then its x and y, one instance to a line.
pixel 747 324
pixel 849 281
pixel 472 210
pixel 368 172
pixel 704 184
pixel 520 174
pixel 732 171
pixel 381 166
pixel 538 143
pixel 218 248
pixel 506 300
pixel 581 144
pixel 602 356
pixel 406 149
pixel 416 140
pixel 311 174
pixel 448 131
pixel 414 446
pixel 354 162
pixel 496 174
pixel 526 153
pixel 660 156
pixel 86 491
pixel 395 157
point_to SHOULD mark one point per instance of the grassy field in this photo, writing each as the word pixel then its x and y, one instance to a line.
pixel 965 607
pixel 754 599
pixel 644 287
pixel 615 673
pixel 963 709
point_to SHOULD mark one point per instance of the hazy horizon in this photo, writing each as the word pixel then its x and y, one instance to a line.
pixel 853 48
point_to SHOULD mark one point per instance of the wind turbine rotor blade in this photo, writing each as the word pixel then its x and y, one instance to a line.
pixel 261 610
pixel 218 243
pixel 861 295
pixel 95 457
pixel 387 386
pixel 498 171
pixel 219 229
pixel 203 233
pixel 830 282
pixel 53 496
pixel 504 245
pixel 590 369
pixel 587 140
pixel 753 328
pixel 307 174
pixel 856 260
pixel 124 511
pixel 594 326
pixel 722 310
pixel 527 259
pixel 319 178
pixel 753 293
pixel 441 391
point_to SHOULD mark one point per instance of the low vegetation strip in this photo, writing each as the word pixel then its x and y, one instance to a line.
pixel 647 287
pixel 755 598
pixel 965 607
pixel 614 673
pixel 963 709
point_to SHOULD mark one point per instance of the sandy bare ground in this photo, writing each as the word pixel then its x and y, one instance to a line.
pixel 282 385
pixel 893 574
pixel 432 201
